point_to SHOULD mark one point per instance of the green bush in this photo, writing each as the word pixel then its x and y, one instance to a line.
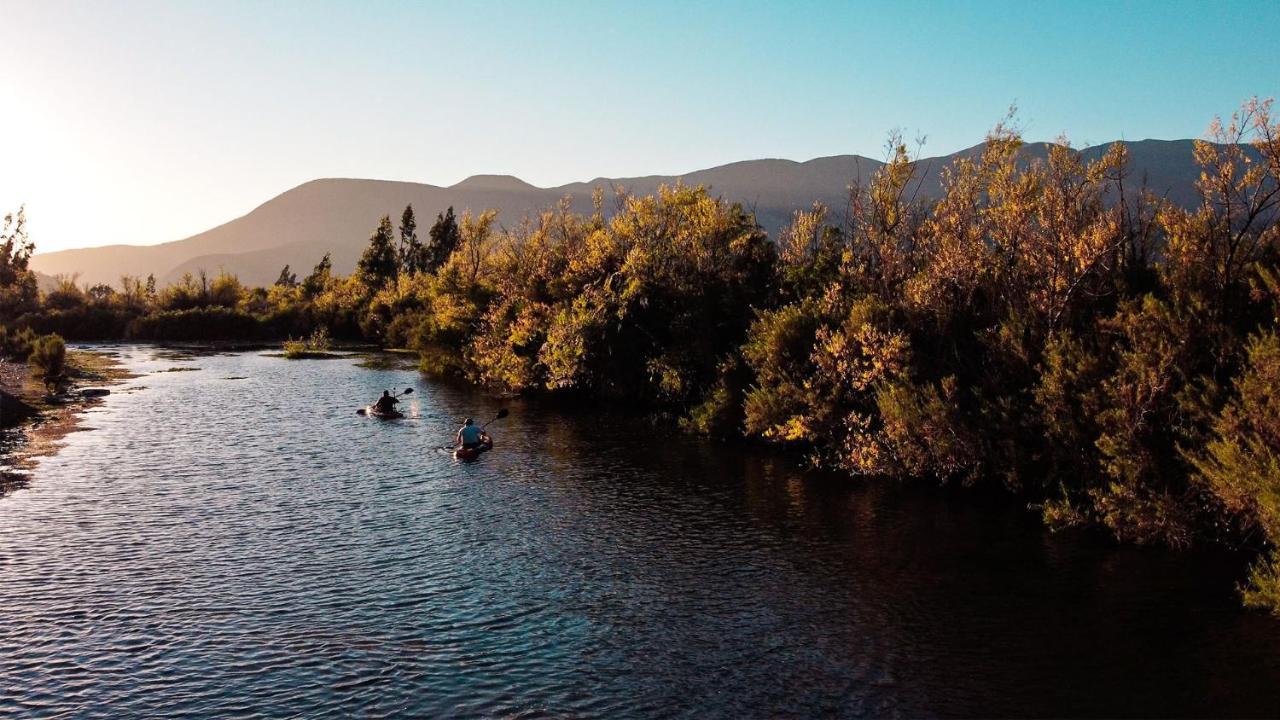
pixel 317 345
pixel 48 359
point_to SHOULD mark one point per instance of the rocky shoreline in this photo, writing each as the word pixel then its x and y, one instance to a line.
pixel 33 421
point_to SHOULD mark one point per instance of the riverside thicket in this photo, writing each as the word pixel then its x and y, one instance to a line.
pixel 1048 325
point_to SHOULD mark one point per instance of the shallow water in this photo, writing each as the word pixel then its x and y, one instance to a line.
pixel 250 547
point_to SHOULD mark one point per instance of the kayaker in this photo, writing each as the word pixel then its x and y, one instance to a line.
pixel 386 403
pixel 470 436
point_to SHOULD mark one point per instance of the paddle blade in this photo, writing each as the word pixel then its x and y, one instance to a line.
pixel 361 411
pixel 408 391
pixel 502 413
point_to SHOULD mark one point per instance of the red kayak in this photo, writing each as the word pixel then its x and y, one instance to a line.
pixel 474 452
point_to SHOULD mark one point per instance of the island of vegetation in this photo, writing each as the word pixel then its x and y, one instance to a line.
pixel 1044 326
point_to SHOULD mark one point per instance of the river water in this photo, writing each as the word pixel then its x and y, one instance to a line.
pixel 221 547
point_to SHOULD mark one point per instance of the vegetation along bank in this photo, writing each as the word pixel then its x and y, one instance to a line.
pixel 1045 326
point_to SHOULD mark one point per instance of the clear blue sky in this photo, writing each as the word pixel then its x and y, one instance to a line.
pixel 148 121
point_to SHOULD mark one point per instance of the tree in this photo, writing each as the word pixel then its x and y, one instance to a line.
pixel 1240 465
pixel 445 237
pixel 151 287
pixel 287 279
pixel 101 292
pixel 412 255
pixel 18 291
pixel 378 265
pixel 314 283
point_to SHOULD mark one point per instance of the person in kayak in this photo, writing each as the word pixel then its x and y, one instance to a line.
pixel 470 436
pixel 386 403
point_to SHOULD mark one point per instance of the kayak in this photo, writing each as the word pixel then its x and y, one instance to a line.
pixel 372 411
pixel 473 453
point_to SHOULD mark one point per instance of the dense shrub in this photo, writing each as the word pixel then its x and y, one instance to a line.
pixel 203 323
pixel 15 344
pixel 48 358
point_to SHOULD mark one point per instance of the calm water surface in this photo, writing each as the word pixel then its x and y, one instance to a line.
pixel 250 547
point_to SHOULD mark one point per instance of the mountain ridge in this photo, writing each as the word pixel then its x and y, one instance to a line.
pixel 337 215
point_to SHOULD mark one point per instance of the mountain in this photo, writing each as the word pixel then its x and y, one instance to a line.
pixel 337 215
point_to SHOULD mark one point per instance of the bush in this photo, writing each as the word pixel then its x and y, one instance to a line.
pixel 84 322
pixel 204 323
pixel 48 358
pixel 317 345
pixel 16 344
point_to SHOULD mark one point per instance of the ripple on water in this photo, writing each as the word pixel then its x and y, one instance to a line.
pixel 224 548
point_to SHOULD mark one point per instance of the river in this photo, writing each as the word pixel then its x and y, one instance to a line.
pixel 221 547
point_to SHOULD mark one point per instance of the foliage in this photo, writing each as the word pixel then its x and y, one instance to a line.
pixel 1043 326
pixel 202 323
pixel 16 344
pixel 379 263
pixel 317 344
pixel 412 253
pixel 444 238
pixel 1240 464
pixel 286 279
pixel 17 282
pixel 48 358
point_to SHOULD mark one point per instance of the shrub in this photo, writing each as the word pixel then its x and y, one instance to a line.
pixel 16 344
pixel 204 323
pixel 48 358
pixel 317 345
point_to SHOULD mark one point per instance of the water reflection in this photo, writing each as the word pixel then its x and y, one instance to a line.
pixel 218 547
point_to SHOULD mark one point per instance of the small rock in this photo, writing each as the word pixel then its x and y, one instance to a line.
pixel 94 392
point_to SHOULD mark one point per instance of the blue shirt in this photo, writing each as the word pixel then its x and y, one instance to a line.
pixel 470 434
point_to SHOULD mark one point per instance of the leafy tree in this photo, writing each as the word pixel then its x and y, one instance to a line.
pixel 413 256
pixel 101 292
pixel 378 265
pixel 315 283
pixel 444 238
pixel 1240 465
pixel 18 292
pixel 286 279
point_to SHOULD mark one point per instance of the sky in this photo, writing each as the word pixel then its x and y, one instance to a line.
pixel 143 122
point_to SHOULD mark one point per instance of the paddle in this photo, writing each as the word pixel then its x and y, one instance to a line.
pixel 365 410
pixel 501 414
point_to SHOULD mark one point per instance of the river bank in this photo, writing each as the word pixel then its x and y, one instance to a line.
pixel 33 421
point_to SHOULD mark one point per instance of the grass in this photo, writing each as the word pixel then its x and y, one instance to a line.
pixel 313 347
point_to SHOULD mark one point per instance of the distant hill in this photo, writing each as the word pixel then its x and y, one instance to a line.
pixel 337 215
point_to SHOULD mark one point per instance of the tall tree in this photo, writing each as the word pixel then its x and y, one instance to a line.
pixel 412 258
pixel 378 265
pixel 314 283
pixel 17 282
pixel 445 237
pixel 287 279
